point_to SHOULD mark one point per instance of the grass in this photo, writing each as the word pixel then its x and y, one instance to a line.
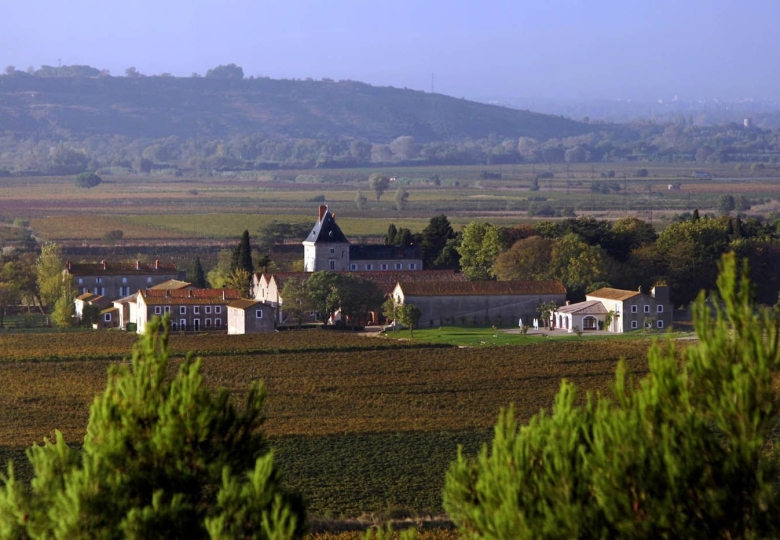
pixel 500 336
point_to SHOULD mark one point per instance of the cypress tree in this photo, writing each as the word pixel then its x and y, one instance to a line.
pixel 198 276
pixel 242 256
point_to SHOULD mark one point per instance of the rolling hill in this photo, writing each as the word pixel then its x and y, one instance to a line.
pixel 158 107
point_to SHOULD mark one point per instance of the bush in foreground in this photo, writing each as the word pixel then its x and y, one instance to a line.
pixel 162 458
pixel 686 453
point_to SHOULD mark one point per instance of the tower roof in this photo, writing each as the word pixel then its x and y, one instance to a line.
pixel 326 230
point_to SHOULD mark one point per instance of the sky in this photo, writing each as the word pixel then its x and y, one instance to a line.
pixel 552 49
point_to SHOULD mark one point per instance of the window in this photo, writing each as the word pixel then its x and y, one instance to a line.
pixel 412 266
pixel 369 267
pixel 217 322
pixel 659 324
pixel 182 310
pixel 384 266
pixel 96 290
pixel 331 265
pixel 208 310
pixel 196 310
pixel 157 310
pixel 173 326
pixel 353 266
pixel 217 310
pixel 647 308
pixel 398 266
pixel 124 280
pixel 208 323
pixel 102 291
pixel 634 324
pixel 332 251
pixel 81 281
pixel 659 308
pixel 633 309
pixel 98 280
pixel 149 279
pixel 107 317
pixel 167 309
pixel 83 290
pixel 259 314
pixel 183 324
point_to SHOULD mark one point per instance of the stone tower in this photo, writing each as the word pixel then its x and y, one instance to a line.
pixel 326 247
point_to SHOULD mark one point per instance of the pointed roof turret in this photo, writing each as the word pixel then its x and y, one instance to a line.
pixel 326 230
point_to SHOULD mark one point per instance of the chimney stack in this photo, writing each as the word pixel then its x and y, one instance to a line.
pixel 103 262
pixel 137 265
pixel 190 293
pixel 223 294
pixel 157 264
pixel 322 211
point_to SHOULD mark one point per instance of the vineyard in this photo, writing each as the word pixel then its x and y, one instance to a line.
pixel 359 425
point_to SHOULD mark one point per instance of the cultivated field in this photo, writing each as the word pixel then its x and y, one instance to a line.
pixel 164 209
pixel 360 425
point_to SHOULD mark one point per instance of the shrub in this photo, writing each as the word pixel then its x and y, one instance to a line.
pixel 87 180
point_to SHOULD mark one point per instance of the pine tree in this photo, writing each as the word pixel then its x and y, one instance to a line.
pixel 162 458
pixel 198 276
pixel 688 452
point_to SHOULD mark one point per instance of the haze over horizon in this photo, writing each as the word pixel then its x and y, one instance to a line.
pixel 603 49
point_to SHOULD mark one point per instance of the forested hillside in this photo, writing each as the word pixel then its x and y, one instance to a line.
pixel 158 107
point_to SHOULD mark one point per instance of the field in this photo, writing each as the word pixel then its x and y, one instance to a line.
pixel 153 209
pixel 360 425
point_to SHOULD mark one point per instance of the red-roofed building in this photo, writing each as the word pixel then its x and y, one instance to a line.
pixel 189 309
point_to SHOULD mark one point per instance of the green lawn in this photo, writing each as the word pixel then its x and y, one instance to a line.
pixel 496 336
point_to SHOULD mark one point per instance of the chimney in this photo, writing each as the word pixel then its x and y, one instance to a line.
pixel 322 211
pixel 568 302
pixel 223 294
pixel 157 264
pixel 168 293
pixel 137 265
pixel 190 293
pixel 640 289
pixel 103 262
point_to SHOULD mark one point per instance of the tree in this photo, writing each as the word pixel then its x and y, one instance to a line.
pixel 112 237
pixel 409 315
pixel 480 245
pixel 264 261
pixel 87 180
pixel 360 200
pixel 378 183
pixel 401 198
pixel 321 288
pixel 163 457
pixel 51 283
pixel 527 259
pixel 240 279
pixel 132 73
pixel 229 71
pixel 392 233
pixel 198 277
pixel 296 299
pixel 726 204
pixel 90 314
pixel 688 452
pixel 218 275
pixel 434 238
pixel 62 314
pixel 577 264
pixel 242 255
pixel 404 148
pixel 742 204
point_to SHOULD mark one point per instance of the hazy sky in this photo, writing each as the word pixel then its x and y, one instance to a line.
pixel 586 49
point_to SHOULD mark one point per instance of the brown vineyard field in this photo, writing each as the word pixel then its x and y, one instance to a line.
pixel 360 425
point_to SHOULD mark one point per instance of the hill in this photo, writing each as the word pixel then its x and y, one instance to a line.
pixel 158 107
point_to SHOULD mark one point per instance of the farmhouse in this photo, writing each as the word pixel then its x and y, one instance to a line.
pixel 189 309
pixel 250 317
pixel 327 248
pixel 481 302
pixel 87 299
pixel 115 279
pixel 617 310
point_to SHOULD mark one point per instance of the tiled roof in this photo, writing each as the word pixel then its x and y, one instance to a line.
pixel 326 230
pixel 373 252
pixel 159 297
pixel 172 284
pixel 483 288
pixel 86 297
pixel 244 303
pixel 582 308
pixel 110 268
pixel 612 294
